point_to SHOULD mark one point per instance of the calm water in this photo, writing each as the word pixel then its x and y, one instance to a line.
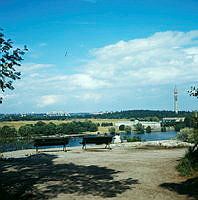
pixel 154 136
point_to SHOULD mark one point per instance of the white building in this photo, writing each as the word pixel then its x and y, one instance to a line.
pixel 153 125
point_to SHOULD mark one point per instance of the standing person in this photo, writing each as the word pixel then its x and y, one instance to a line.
pixel 117 139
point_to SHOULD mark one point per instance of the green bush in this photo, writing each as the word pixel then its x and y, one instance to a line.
pixel 104 124
pixel 179 126
pixel 112 130
pixel 139 128
pixel 7 131
pixel 186 135
pixel 127 129
pixel 122 127
pixel 148 129
pixel 133 139
pixel 163 129
pixel 189 163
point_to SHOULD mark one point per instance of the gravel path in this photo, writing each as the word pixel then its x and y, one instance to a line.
pixel 124 172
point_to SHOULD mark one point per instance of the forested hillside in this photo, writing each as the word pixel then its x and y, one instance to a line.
pixel 128 114
pixel 142 114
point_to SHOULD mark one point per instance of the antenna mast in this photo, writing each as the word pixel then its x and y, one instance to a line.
pixel 176 100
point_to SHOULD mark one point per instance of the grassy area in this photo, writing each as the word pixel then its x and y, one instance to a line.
pixel 17 124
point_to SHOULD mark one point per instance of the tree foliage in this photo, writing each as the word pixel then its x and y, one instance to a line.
pixel 104 124
pixel 139 128
pixel 189 163
pixel 121 127
pixel 7 131
pixel 193 91
pixel 127 129
pixel 10 58
pixel 112 130
pixel 47 129
pixel 148 129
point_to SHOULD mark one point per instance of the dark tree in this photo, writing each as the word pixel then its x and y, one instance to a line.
pixel 10 58
pixel 193 91
pixel 121 127
pixel 139 128
pixel 148 129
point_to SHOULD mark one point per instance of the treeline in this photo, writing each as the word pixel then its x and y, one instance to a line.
pixel 142 114
pixel 187 123
pixel 47 129
pixel 129 114
pixel 104 124
pixel 32 118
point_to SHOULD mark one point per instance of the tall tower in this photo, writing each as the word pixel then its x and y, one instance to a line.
pixel 176 100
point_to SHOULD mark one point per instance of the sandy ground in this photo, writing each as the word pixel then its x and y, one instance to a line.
pixel 97 173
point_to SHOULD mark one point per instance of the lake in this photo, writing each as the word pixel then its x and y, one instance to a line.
pixel 153 136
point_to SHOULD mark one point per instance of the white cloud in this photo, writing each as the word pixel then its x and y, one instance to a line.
pixel 90 97
pixel 164 58
pixel 160 59
pixel 48 100
pixel 30 67
pixel 117 70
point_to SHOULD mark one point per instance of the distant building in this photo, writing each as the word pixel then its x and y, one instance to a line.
pixel 57 113
pixel 173 119
pixel 153 125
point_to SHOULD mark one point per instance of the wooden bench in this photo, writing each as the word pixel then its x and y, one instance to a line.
pixel 97 140
pixel 51 142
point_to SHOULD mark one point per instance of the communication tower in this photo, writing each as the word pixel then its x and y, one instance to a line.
pixel 176 100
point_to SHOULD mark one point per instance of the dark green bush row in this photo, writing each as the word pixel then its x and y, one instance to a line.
pixel 41 128
pixel 133 139
pixel 104 124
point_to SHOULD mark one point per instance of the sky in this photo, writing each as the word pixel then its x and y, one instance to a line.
pixel 102 55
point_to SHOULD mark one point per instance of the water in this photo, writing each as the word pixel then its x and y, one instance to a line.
pixel 154 136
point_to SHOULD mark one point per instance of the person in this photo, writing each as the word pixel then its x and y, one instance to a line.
pixel 98 133
pixel 105 134
pixel 116 139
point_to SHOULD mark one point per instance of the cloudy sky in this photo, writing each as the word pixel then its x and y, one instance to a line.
pixel 102 55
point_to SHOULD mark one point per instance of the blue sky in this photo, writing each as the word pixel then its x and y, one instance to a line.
pixel 121 54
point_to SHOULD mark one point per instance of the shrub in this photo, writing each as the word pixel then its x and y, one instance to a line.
pixel 186 135
pixel 179 126
pixel 104 124
pixel 112 130
pixel 7 131
pixel 133 139
pixel 121 127
pixel 139 128
pixel 148 129
pixel 189 163
pixel 127 129
pixel 163 129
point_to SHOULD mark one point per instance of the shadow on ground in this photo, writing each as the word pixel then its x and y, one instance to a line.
pixel 37 177
pixel 188 187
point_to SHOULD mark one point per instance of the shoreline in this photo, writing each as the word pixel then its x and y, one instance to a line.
pixel 161 144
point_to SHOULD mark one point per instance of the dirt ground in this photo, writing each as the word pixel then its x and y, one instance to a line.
pixel 97 173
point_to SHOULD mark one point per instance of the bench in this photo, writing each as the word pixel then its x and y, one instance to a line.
pixel 51 142
pixel 97 140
